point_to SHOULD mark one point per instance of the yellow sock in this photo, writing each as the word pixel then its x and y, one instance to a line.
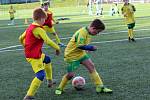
pixel 48 71
pixel 57 39
pixel 129 33
pixel 63 82
pixel 96 78
pixel 35 84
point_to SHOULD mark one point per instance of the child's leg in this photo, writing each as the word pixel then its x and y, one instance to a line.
pixel 36 83
pixel 48 67
pixel 48 70
pixel 95 77
pixel 64 82
pixel 65 79
pixel 93 73
pixel 72 66
pixel 130 31
pixel 38 68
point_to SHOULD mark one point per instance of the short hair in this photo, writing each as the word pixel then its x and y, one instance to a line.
pixel 39 13
pixel 46 3
pixel 97 24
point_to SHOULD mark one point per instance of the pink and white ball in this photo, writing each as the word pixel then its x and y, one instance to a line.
pixel 78 83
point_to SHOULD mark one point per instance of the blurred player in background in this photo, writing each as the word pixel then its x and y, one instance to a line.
pixel 99 8
pixel 116 8
pixel 128 13
pixel 12 11
pixel 76 54
pixel 48 25
pixel 90 7
pixel 33 39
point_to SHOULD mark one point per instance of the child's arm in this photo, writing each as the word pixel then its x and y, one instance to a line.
pixel 56 22
pixel 39 32
pixel 22 38
pixel 81 44
pixel 88 48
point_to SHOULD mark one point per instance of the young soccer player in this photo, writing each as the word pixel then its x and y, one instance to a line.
pixel 48 25
pixel 76 54
pixel 32 40
pixel 128 12
pixel 99 8
pixel 12 11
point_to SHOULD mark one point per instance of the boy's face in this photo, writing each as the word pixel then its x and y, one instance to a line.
pixel 94 31
pixel 42 21
pixel 45 7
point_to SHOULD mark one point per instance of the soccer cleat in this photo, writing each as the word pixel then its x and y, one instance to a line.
pixel 133 40
pixel 102 89
pixel 50 83
pixel 28 98
pixel 58 91
pixel 61 45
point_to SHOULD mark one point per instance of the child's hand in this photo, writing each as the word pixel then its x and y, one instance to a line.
pixel 57 52
pixel 94 48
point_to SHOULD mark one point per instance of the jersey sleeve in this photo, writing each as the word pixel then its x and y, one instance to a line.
pixel 22 38
pixel 40 33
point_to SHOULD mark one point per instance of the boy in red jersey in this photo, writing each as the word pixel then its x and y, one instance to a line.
pixel 32 40
pixel 48 25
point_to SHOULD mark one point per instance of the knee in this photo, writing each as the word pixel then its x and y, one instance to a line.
pixel 47 59
pixel 40 75
pixel 70 75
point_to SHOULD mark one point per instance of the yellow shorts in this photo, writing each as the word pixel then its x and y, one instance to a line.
pixel 37 64
pixel 48 29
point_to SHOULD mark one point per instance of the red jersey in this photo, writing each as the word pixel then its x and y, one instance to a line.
pixel 33 45
pixel 48 21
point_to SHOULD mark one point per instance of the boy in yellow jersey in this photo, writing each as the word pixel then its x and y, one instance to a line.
pixel 12 16
pixel 32 40
pixel 128 12
pixel 48 25
pixel 76 54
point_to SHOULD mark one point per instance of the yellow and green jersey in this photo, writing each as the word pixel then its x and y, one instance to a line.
pixel 80 38
pixel 128 12
pixel 11 12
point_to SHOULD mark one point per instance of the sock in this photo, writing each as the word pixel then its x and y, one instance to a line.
pixel 57 39
pixel 35 84
pixel 48 71
pixel 132 35
pixel 96 78
pixel 129 33
pixel 63 82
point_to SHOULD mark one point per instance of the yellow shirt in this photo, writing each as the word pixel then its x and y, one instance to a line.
pixel 40 33
pixel 11 12
pixel 128 12
pixel 80 38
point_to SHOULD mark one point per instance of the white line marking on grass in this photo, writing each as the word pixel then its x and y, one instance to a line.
pixel 112 41
pixel 9 47
pixel 11 50
pixel 118 40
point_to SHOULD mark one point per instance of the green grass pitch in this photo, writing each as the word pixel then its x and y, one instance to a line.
pixel 123 66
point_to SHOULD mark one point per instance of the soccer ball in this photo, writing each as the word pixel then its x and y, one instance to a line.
pixel 78 83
